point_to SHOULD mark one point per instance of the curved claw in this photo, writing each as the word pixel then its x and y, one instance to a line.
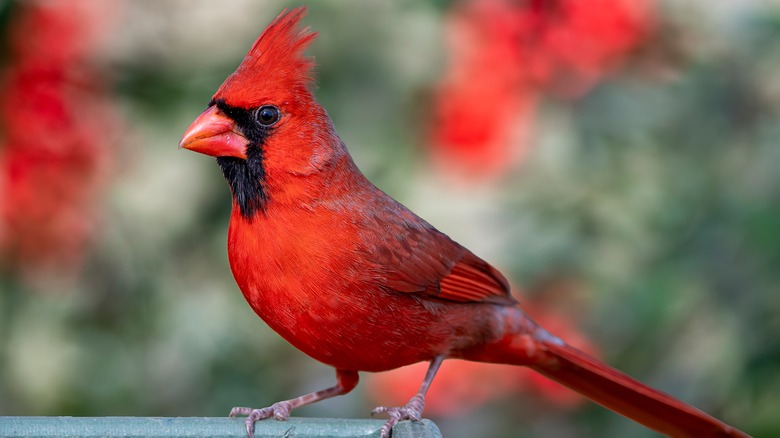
pixel 239 411
pixel 404 413
pixel 346 381
pixel 412 411
pixel 280 411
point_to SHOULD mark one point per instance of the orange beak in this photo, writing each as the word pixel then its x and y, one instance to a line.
pixel 213 133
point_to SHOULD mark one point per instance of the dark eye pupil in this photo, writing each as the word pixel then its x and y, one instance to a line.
pixel 267 115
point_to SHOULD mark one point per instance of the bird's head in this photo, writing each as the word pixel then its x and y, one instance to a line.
pixel 263 121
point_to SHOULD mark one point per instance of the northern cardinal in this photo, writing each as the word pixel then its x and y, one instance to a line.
pixel 356 280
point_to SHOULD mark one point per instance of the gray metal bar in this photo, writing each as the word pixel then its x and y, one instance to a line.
pixel 115 427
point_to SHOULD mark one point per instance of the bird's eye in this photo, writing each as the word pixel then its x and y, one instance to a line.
pixel 267 115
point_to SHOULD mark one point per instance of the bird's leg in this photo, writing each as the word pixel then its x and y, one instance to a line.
pixel 413 409
pixel 346 380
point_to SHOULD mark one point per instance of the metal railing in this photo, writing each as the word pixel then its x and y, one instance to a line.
pixel 113 427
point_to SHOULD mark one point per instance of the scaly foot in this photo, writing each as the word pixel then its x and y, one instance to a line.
pixel 412 411
pixel 346 380
pixel 280 411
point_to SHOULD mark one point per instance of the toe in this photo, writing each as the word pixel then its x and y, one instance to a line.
pixel 379 410
pixel 239 411
pixel 387 428
pixel 282 410
pixel 412 414
pixel 249 424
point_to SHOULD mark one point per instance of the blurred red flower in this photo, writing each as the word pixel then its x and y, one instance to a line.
pixel 58 126
pixel 462 386
pixel 503 54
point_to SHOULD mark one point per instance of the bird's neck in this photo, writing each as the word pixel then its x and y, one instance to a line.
pixel 260 191
pixel 247 182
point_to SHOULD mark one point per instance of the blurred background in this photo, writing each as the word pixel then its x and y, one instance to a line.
pixel 618 160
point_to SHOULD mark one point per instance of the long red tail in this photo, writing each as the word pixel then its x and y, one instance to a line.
pixel 626 396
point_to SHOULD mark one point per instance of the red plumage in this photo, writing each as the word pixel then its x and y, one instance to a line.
pixel 275 64
pixel 353 278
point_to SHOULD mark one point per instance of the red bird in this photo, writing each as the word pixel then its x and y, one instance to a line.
pixel 353 278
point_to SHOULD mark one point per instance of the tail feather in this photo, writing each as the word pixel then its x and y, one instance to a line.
pixel 626 396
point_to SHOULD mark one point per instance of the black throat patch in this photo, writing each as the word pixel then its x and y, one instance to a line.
pixel 246 178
